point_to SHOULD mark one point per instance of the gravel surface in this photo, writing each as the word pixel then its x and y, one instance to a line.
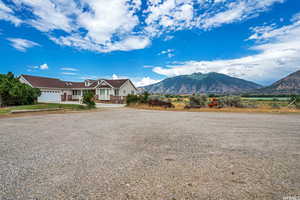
pixel 142 154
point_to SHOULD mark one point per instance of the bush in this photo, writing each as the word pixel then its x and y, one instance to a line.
pixel 135 99
pixel 198 101
pixel 88 99
pixel 230 101
pixel 132 99
pixel 13 92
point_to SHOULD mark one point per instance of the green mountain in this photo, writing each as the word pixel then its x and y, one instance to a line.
pixel 288 85
pixel 202 83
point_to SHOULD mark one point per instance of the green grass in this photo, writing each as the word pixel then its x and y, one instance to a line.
pixel 43 106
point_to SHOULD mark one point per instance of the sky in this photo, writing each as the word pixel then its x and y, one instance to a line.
pixel 150 40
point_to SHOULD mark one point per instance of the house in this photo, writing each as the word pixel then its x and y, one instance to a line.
pixel 55 90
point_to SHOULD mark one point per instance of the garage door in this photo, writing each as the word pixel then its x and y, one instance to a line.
pixel 50 97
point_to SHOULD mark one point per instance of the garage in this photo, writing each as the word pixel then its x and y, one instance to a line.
pixel 50 96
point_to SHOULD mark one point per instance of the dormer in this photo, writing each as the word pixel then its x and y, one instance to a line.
pixel 68 84
pixel 87 83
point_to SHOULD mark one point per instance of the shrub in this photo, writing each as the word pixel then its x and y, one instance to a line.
pixel 88 99
pixel 198 101
pixel 132 99
pixel 230 101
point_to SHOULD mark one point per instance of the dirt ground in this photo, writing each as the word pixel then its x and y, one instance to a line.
pixel 146 154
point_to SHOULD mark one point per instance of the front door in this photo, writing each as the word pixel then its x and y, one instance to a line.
pixel 104 94
pixel 64 97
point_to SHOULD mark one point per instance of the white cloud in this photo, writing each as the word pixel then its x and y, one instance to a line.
pixel 7 14
pixel 278 54
pixel 168 37
pixel 168 52
pixel 234 12
pixel 69 69
pixel 22 44
pixel 88 77
pixel 145 81
pixel 69 73
pixel 114 77
pixel 44 66
pixel 105 26
pixel 38 67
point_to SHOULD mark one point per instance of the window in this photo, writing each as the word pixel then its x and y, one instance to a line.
pixel 76 92
pixel 102 92
pixel 116 92
pixel 132 92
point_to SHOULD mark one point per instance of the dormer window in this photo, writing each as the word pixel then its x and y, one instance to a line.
pixel 87 83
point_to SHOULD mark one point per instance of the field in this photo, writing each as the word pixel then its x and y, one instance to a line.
pixel 132 154
pixel 262 105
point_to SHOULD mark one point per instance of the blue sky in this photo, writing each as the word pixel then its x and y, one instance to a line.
pixel 149 40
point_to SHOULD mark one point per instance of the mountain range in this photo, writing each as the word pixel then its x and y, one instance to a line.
pixel 216 83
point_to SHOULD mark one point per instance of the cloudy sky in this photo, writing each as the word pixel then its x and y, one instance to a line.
pixel 149 40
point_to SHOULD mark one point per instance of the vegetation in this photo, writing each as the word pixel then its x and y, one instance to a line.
pixel 144 97
pixel 42 106
pixel 135 99
pixel 230 101
pixel 132 99
pixel 198 101
pixel 13 92
pixel 221 103
pixel 88 99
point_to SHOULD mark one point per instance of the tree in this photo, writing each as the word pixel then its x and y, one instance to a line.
pixel 88 99
pixel 13 92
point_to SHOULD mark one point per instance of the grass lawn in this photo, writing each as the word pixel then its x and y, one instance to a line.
pixel 7 110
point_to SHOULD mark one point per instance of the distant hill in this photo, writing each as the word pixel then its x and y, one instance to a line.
pixel 202 83
pixel 288 85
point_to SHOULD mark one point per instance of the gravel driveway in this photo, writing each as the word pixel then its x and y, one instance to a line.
pixel 142 154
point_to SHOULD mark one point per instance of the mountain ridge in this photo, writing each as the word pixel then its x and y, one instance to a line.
pixel 290 84
pixel 211 82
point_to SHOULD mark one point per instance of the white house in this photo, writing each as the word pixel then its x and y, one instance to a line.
pixel 55 90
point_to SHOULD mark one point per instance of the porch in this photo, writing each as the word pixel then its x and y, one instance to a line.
pixel 101 95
